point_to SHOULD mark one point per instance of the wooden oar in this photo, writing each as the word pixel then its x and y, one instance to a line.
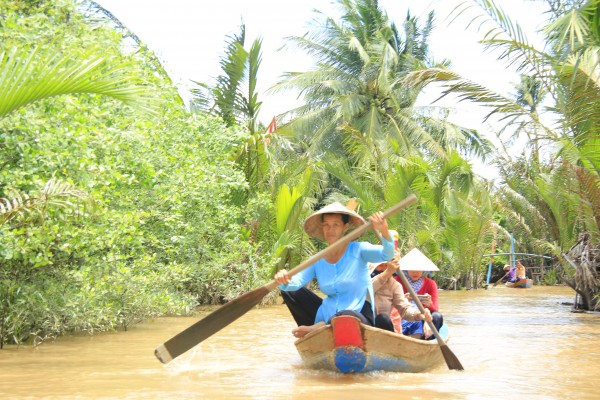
pixel 449 356
pixel 498 281
pixel 237 307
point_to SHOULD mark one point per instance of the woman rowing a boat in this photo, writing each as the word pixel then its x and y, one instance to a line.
pixel 343 275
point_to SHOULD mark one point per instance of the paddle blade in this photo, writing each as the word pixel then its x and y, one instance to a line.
pixel 211 324
pixel 450 358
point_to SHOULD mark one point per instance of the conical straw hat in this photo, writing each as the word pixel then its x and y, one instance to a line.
pixel 414 260
pixel 312 225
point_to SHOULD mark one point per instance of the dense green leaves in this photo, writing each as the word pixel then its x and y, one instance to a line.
pixel 110 215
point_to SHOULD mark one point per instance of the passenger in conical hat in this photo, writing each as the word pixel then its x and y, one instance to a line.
pixel 391 305
pixel 342 275
pixel 413 264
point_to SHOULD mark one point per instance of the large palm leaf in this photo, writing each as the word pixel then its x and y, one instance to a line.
pixel 510 110
pixel 31 74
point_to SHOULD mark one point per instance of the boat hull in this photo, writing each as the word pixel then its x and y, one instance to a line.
pixel 520 284
pixel 347 346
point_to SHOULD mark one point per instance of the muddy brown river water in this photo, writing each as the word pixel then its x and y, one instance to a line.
pixel 513 344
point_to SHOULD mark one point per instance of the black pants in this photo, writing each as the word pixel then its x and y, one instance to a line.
pixel 384 321
pixel 437 319
pixel 303 304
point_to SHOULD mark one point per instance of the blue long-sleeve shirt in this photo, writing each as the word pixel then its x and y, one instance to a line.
pixel 347 282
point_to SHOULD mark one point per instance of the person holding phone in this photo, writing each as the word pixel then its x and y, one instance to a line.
pixel 390 299
pixel 413 265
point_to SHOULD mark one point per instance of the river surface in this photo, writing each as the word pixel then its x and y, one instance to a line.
pixel 512 343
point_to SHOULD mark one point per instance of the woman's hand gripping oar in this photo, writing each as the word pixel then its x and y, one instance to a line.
pixel 449 356
pixel 237 307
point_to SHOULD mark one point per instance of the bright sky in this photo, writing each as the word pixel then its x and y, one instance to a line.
pixel 189 37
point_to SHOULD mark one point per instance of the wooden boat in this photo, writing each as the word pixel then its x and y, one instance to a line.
pixel 348 346
pixel 520 284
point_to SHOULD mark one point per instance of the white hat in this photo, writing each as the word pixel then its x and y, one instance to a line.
pixel 312 225
pixel 414 260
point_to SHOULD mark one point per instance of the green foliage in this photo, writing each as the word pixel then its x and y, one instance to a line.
pixel 111 215
pixel 32 74
pixel 234 97
pixel 551 278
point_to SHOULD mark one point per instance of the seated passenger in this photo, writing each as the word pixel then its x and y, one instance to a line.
pixel 389 295
pixel 412 266
pixel 509 275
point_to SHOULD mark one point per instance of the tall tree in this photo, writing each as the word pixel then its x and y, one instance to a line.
pixel 567 68
pixel 355 103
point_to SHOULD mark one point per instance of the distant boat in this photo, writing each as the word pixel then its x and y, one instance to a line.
pixel 520 284
pixel 348 346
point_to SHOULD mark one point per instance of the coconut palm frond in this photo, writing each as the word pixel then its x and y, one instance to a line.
pixel 586 154
pixel 54 192
pixel 409 135
pixel 314 132
pixel 570 32
pixel 589 182
pixel 520 209
pixel 367 191
pixel 55 188
pixel 464 89
pixel 564 207
pixel 15 206
pixel 507 36
pixel 580 77
pixel 451 136
pixel 511 111
pixel 31 74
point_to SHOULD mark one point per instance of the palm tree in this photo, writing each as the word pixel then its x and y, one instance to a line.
pixel 235 100
pixel 530 94
pixel 278 186
pixel 233 97
pixel 564 192
pixel 361 125
pixel 355 102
